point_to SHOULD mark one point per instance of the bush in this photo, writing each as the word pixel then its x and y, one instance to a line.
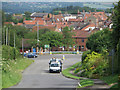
pixel 84 55
pixel 94 63
pixel 9 52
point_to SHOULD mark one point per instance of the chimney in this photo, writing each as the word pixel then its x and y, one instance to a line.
pixel 83 11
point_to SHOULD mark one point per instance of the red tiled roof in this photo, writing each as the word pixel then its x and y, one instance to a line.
pixel 19 24
pixel 9 23
pixel 33 22
pixel 38 19
pixel 30 22
pixel 89 25
pixel 81 34
pixel 51 27
pixel 86 16
pixel 73 20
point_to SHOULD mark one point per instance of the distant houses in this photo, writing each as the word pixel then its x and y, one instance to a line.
pixel 83 23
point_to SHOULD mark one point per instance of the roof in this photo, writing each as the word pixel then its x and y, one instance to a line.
pixel 38 14
pixel 34 22
pixel 29 22
pixel 81 34
pixel 51 27
pixel 19 24
pixel 73 20
pixel 9 23
pixel 88 25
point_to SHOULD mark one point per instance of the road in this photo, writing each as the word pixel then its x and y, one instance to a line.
pixel 38 76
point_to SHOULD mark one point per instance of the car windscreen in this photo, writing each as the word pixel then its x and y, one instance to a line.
pixel 54 65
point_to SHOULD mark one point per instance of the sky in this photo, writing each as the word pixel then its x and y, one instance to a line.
pixel 59 0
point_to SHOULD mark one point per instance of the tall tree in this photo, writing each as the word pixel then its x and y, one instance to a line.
pixel 99 41
pixel 116 25
pixel 67 36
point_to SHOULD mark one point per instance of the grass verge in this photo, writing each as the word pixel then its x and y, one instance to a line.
pixel 111 80
pixel 83 82
pixel 12 71
pixel 67 73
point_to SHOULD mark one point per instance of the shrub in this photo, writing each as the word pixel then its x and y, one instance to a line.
pixel 94 63
pixel 84 55
pixel 9 52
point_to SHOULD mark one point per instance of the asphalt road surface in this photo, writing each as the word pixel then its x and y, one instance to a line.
pixel 37 74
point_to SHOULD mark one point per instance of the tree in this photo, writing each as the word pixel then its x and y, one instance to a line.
pixel 27 15
pixel 54 39
pixel 116 25
pixel 67 36
pixel 99 41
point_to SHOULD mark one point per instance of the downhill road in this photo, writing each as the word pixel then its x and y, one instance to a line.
pixel 37 74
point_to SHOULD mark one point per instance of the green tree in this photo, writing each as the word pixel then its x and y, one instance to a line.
pixel 67 36
pixel 27 15
pixel 99 41
pixel 116 25
pixel 52 38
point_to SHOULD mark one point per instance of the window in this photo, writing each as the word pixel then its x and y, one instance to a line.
pixel 82 40
pixel 82 47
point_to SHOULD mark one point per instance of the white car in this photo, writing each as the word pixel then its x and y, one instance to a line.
pixel 54 67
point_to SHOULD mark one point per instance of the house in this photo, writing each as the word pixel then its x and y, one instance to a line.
pixel 7 23
pixel 19 24
pixel 89 26
pixel 30 23
pixel 50 27
pixel 80 38
pixel 41 15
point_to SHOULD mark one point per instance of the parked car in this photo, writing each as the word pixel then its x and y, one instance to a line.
pixel 32 55
pixel 54 67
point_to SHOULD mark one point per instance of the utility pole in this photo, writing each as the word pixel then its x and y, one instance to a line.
pixel 37 36
pixel 14 39
pixel 14 46
pixel 6 35
pixel 37 33
pixel 22 46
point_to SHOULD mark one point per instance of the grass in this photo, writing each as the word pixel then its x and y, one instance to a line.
pixel 12 71
pixel 111 80
pixel 67 73
pixel 85 83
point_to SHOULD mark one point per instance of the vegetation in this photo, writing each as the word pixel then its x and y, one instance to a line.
pixel 74 9
pixel 67 37
pixel 100 41
pixel 12 67
pixel 85 83
pixel 67 73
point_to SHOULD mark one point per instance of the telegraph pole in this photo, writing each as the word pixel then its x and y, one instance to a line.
pixel 6 35
pixel 14 39
pixel 37 36
pixel 22 46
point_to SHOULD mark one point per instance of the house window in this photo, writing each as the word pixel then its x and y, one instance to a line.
pixel 82 40
pixel 82 47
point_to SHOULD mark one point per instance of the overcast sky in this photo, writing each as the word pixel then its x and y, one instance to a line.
pixel 59 0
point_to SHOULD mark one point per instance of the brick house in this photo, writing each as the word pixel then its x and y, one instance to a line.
pixel 80 39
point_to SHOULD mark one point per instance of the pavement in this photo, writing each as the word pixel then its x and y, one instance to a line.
pixel 37 74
